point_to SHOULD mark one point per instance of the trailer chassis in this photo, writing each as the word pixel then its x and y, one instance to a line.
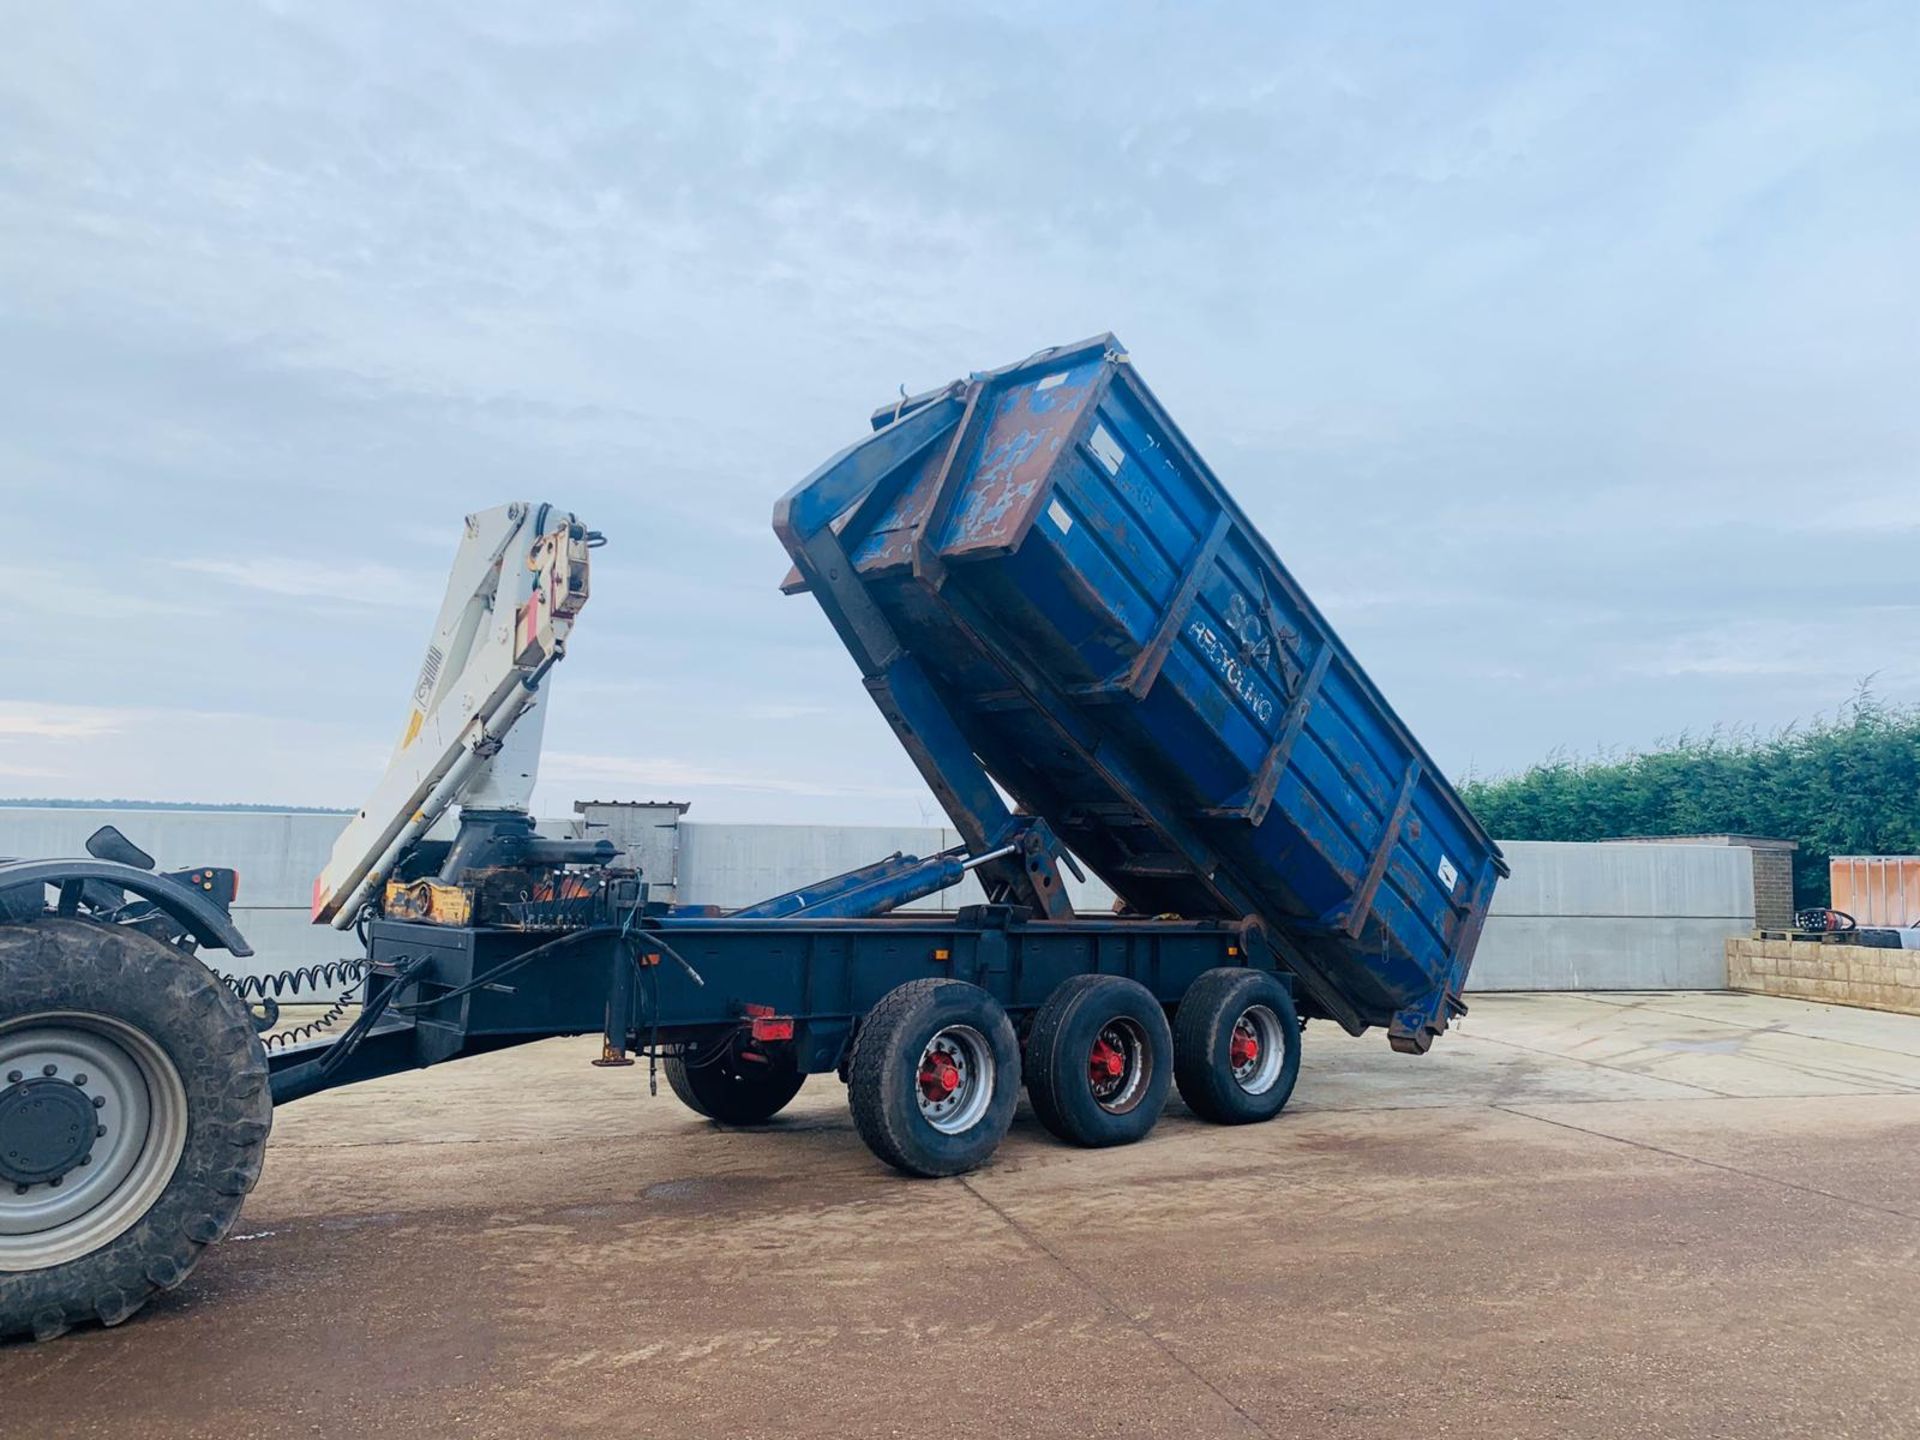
pixel 660 984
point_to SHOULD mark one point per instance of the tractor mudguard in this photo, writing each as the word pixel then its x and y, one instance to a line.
pixel 204 920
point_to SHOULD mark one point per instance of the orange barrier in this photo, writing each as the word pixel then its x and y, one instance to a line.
pixel 1877 889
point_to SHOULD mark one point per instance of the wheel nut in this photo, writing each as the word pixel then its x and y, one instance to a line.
pixel 14 1077
pixel 49 1070
pixel 98 1131
pixel 79 1079
pixel 99 1102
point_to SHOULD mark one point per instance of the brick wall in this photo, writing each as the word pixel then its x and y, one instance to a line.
pixel 1773 888
pixel 1832 974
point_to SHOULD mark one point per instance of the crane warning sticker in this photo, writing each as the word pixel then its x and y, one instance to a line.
pixel 429 674
pixel 1449 876
pixel 1057 513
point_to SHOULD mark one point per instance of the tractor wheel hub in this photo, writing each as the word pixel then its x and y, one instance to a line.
pixel 46 1129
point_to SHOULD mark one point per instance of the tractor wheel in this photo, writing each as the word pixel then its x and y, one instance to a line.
pixel 134 1113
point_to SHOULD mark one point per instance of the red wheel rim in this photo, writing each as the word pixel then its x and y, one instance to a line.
pixel 1257 1049
pixel 1119 1065
pixel 954 1079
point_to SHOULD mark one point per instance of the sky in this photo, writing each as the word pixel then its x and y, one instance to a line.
pixel 1568 355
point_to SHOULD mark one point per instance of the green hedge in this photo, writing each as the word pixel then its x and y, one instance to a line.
pixel 1844 785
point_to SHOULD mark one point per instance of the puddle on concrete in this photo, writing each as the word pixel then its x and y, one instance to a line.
pixel 1717 1044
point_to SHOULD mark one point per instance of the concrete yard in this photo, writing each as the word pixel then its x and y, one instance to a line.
pixel 1590 1215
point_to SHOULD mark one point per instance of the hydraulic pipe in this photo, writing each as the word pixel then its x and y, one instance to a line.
pixel 890 892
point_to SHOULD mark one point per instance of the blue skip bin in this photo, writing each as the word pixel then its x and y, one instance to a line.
pixel 1043 583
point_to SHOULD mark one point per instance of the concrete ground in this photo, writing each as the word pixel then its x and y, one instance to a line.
pixel 1582 1215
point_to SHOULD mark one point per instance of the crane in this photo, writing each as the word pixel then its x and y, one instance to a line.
pixel 473 728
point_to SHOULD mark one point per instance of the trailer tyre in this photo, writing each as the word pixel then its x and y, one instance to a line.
pixel 935 1077
pixel 1099 1061
pixel 1236 1046
pixel 134 1113
pixel 736 1091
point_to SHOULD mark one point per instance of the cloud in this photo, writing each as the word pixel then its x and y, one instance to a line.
pixel 358 583
pixel 664 774
pixel 30 772
pixel 202 756
pixel 791 711
pixel 61 722
pixel 1545 344
pixel 1890 506
pixel 1840 649
pixel 54 592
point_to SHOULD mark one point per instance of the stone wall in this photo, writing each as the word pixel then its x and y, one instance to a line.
pixel 1872 978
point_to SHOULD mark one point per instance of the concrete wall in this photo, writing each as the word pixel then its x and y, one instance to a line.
pixel 1624 917
pixel 1573 917
pixel 277 855
pixel 736 865
pixel 1832 974
pixel 1630 916
pixel 1772 870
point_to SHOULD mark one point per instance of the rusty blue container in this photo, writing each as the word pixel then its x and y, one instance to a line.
pixel 1046 579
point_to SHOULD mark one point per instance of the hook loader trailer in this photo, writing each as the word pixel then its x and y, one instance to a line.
pixel 1086 650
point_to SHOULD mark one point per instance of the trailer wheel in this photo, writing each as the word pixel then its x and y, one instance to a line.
pixel 134 1113
pixel 1236 1046
pixel 935 1077
pixel 1099 1061
pixel 736 1091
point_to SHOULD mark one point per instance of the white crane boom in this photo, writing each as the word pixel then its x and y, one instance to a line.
pixel 473 728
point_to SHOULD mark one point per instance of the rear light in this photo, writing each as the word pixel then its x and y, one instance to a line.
pixel 765 1025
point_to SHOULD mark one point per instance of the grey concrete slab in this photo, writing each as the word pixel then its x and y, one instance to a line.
pixel 1626 881
pixel 1556 1224
pixel 1614 916
pixel 1581 952
pixel 735 865
pixel 1740 1050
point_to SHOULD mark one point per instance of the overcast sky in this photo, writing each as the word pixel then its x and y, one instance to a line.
pixel 1570 355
